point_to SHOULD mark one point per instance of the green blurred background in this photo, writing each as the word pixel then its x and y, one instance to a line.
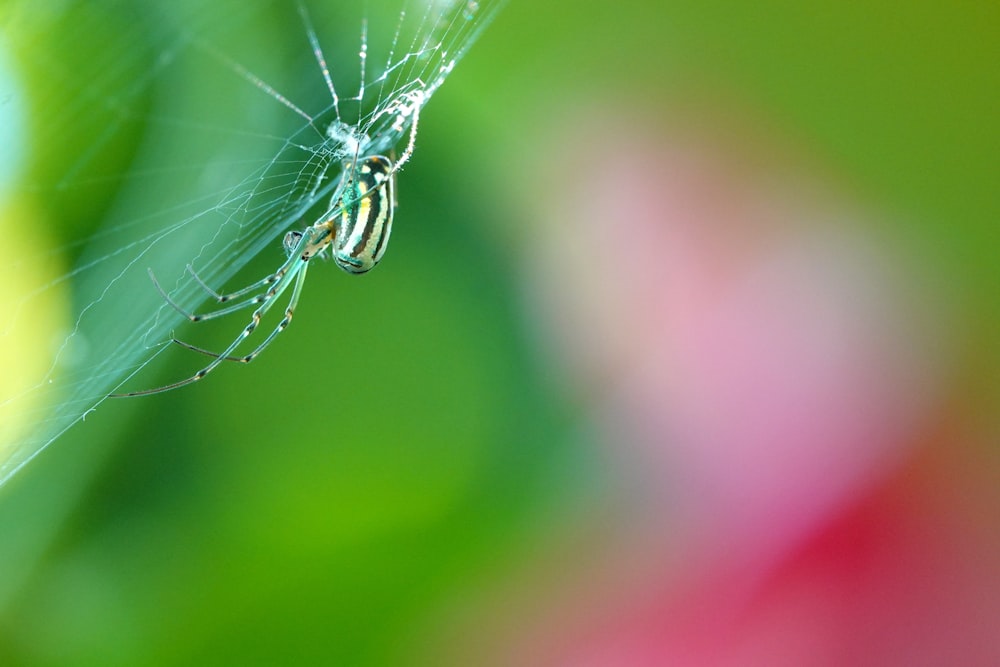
pixel 408 446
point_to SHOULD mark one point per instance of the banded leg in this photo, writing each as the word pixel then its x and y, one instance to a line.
pixel 295 271
pixel 221 298
pixel 247 358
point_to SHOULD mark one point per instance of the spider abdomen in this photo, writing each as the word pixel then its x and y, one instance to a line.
pixel 367 207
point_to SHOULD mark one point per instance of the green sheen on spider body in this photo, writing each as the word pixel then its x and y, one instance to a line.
pixel 367 207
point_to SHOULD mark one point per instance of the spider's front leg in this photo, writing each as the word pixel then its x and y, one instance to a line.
pixel 223 298
pixel 292 272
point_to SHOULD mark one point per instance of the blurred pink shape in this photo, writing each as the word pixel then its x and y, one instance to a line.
pixel 906 577
pixel 752 358
pixel 747 346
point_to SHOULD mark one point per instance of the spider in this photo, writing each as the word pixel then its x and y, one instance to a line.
pixel 357 231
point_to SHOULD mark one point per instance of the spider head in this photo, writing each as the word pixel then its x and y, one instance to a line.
pixel 291 242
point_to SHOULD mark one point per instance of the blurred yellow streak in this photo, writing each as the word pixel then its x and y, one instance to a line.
pixel 33 315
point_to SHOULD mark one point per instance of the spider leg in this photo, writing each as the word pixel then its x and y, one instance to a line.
pixel 285 321
pixel 202 350
pixel 247 358
pixel 296 271
pixel 408 151
pixel 222 298
pixel 253 301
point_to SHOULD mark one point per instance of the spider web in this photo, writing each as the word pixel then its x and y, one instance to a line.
pixel 171 138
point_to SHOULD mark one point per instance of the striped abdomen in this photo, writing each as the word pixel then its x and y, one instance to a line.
pixel 366 217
